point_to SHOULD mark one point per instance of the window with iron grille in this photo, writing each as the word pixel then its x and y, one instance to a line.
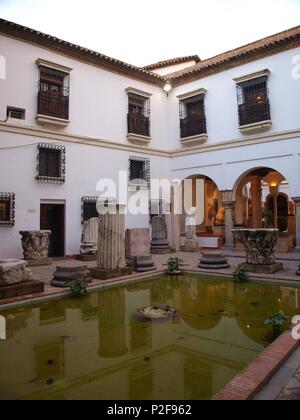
pixel 138 115
pixel 139 173
pixel 7 209
pixel 88 208
pixel 53 97
pixel 50 163
pixel 253 101
pixel 15 113
pixel 192 116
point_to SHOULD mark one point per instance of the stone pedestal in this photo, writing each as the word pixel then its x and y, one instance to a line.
pixel 36 247
pixel 137 250
pixel 191 244
pixel 159 243
pixel 16 279
pixel 260 245
pixel 213 261
pixel 111 245
pixel 65 276
pixel 89 240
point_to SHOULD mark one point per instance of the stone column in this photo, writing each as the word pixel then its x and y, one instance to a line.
pixel 274 193
pixel 297 212
pixel 228 204
pixel 35 245
pixel 111 245
pixel 256 192
pixel 176 200
pixel 191 244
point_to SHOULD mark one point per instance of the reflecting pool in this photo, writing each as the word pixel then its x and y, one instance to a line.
pixel 97 347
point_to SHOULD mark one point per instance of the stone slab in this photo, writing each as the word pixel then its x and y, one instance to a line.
pixel 22 289
pixel 13 272
pixel 263 269
pixel 39 263
pixel 86 257
pixel 100 274
pixel 137 242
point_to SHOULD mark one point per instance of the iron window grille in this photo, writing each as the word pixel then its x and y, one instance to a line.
pixel 88 208
pixel 192 116
pixel 53 96
pixel 7 209
pixel 139 173
pixel 253 101
pixel 51 163
pixel 138 118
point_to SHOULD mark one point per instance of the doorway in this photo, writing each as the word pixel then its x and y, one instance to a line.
pixel 53 218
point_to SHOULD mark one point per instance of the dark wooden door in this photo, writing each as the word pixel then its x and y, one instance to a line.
pixel 53 218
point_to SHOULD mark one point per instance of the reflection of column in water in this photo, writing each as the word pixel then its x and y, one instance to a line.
pixel 111 323
pixel 297 298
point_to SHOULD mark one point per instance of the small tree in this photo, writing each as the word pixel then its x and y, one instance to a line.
pixel 78 288
pixel 277 322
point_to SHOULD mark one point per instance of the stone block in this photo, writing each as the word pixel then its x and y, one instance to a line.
pixel 137 242
pixel 13 272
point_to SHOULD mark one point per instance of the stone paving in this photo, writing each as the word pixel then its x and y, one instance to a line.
pixel 291 391
pixel 191 260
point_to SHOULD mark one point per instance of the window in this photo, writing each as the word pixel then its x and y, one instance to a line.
pixel 88 208
pixel 192 116
pixel 50 163
pixel 53 98
pixel 139 173
pixel 16 113
pixel 7 209
pixel 138 115
pixel 253 101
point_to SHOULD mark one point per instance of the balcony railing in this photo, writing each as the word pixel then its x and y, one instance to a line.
pixel 54 103
pixel 192 126
pixel 138 124
pixel 254 113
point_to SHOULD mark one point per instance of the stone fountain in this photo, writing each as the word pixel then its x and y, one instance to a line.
pixel 260 247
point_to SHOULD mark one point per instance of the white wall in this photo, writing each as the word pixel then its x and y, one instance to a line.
pixel 85 165
pixel 98 101
pixel 221 99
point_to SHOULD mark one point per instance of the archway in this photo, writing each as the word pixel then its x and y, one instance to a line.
pixel 263 200
pixel 211 231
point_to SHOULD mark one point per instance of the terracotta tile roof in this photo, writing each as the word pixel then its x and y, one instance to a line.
pixel 265 47
pixel 172 62
pixel 256 50
pixel 77 52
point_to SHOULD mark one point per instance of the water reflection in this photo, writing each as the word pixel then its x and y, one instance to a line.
pixel 97 348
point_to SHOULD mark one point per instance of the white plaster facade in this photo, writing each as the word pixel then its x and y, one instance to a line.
pixel 96 138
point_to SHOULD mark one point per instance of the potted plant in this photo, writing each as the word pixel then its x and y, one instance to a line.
pixel 174 264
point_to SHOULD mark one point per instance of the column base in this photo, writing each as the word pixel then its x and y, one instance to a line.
pixel 296 250
pixel 228 247
pixel 100 274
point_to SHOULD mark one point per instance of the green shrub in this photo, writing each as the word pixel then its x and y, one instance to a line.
pixel 174 264
pixel 277 322
pixel 240 274
pixel 78 288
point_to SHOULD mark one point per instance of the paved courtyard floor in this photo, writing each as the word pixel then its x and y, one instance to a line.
pixel 290 261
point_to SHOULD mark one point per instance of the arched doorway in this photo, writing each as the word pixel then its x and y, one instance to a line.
pixel 282 210
pixel 211 231
pixel 263 200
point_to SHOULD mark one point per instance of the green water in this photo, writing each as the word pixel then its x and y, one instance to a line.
pixel 97 348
